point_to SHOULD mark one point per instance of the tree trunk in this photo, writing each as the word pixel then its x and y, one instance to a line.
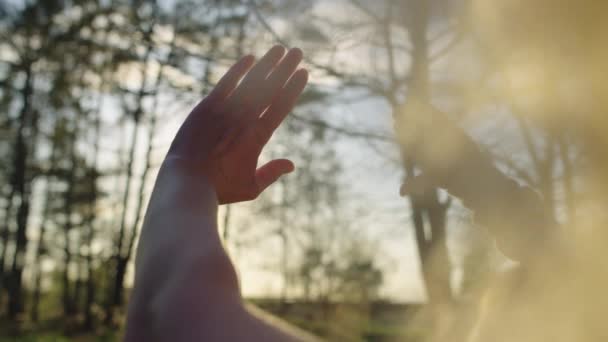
pixel 90 221
pixel 115 298
pixel 426 206
pixel 432 250
pixel 22 189
pixel 118 289
pixel 68 208
pixel 567 179
pixel 226 224
pixel 41 248
pixel 90 281
pixel 123 256
pixel 6 233
pixel 284 244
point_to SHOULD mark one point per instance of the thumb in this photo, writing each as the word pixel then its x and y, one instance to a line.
pixel 271 171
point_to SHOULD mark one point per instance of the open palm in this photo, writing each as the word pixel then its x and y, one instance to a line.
pixel 223 136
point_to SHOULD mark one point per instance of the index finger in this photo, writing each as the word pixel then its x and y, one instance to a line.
pixel 230 80
pixel 283 104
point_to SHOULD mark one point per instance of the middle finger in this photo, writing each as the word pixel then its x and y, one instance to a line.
pixel 245 93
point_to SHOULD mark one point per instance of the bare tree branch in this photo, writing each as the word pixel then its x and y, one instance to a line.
pixel 254 9
pixel 448 47
pixel 343 131
pixel 367 11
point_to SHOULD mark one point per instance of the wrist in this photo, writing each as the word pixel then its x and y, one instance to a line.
pixel 184 181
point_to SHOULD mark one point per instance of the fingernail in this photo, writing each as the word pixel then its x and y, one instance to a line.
pixel 248 58
pixel 296 53
pixel 277 50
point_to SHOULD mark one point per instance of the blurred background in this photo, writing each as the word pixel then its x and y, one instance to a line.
pixel 92 92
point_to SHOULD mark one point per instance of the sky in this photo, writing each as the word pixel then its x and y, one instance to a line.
pixel 372 178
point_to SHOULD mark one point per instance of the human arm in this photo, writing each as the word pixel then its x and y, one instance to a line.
pixel 186 288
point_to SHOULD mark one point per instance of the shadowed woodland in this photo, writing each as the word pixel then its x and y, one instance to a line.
pixel 92 91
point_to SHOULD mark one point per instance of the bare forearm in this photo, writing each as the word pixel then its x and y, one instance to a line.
pixel 180 256
pixel 181 213
pixel 186 288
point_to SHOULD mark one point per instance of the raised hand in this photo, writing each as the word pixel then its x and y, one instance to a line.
pixel 223 136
